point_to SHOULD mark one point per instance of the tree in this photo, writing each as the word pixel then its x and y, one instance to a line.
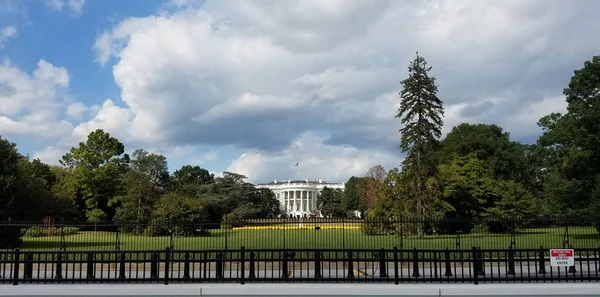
pixel 467 186
pixel 571 142
pixel 144 182
pixel 63 194
pixel 98 165
pixel 490 144
pixel 9 178
pixel 513 205
pixel 190 179
pixel 330 202
pixel 137 203
pixel 421 113
pixel 352 196
pixel 177 213
pixel 370 190
pixel 154 166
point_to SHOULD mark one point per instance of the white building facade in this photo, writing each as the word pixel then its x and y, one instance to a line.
pixel 299 198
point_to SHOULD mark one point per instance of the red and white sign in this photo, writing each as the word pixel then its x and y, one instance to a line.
pixel 562 257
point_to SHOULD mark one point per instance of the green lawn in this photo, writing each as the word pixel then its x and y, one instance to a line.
pixel 579 237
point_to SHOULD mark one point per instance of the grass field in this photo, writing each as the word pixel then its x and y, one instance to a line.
pixel 579 237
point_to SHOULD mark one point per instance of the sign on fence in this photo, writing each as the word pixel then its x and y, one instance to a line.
pixel 562 257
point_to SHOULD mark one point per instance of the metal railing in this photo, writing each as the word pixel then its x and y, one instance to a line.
pixel 243 265
pixel 312 233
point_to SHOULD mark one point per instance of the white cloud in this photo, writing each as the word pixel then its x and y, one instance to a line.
pixel 76 110
pixel 6 33
pixel 50 155
pixel 30 104
pixel 74 6
pixel 314 158
pixel 110 118
pixel 259 75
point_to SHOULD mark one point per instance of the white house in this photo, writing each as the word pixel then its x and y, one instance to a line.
pixel 299 197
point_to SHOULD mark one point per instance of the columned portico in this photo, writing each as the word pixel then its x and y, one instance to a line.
pixel 299 198
pixel 298 201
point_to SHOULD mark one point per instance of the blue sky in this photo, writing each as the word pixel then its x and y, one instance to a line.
pixel 257 86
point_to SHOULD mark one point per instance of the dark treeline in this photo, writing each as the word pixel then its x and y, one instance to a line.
pixel 97 183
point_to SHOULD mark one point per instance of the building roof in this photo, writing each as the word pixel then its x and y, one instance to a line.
pixel 282 182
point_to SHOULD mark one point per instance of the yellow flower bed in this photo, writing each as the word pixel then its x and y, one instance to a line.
pixel 297 227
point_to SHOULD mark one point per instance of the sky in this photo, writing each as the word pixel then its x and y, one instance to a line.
pixel 255 87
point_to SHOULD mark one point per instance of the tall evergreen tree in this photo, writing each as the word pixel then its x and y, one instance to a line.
pixel 421 113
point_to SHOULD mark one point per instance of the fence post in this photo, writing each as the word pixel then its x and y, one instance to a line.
pixel 415 261
pixel 122 266
pixel 350 265
pixel 242 264
pixel 475 270
pixel 318 264
pixel 284 266
pixel 480 262
pixel 117 241
pixel 167 264
pixel 252 273
pixel 28 269
pixel 186 266
pixel 542 262
pixel 396 279
pixel 58 274
pixel 511 261
pixel 572 269
pixel 219 268
pixel 448 267
pixel 16 266
pixel 154 265
pixel 382 264
pixel 91 269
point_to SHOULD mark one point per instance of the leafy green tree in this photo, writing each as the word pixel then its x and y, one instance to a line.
pixel 190 180
pixel 467 186
pixel 330 202
pixel 571 141
pixel 153 166
pixel 23 184
pixel 352 191
pixel 98 165
pixel 144 182
pixel 137 204
pixel 513 205
pixel 177 213
pixel 490 144
pixel 9 179
pixel 64 200
pixel 421 113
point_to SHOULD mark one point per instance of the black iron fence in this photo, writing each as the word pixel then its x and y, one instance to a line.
pixel 243 265
pixel 312 233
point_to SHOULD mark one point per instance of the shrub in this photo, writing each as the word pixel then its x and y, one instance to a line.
pixel 35 231
pixel 375 225
pixel 230 221
pixel 70 230
pixel 177 214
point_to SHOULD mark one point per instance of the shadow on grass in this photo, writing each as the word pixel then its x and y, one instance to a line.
pixel 585 236
pixel 53 245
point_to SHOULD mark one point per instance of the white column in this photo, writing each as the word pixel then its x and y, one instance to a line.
pixel 305 199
